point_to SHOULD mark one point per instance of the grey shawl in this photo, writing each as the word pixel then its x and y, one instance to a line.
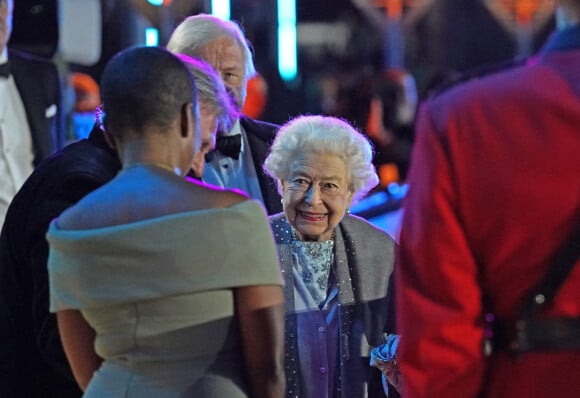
pixel 363 264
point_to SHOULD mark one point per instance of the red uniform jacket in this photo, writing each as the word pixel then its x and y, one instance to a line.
pixel 494 191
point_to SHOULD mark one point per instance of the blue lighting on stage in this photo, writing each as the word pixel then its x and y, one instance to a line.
pixel 397 191
pixel 287 52
pixel 371 201
pixel 384 208
pixel 151 37
pixel 156 2
pixel 221 9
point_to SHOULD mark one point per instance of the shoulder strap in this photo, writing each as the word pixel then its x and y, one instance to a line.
pixel 560 267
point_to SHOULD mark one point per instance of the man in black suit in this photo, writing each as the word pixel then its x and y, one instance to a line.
pixel 29 112
pixel 32 362
pixel 237 162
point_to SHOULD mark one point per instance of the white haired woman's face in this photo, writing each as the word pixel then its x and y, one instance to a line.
pixel 316 194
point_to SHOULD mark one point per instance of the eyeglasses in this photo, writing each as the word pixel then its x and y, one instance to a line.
pixel 302 185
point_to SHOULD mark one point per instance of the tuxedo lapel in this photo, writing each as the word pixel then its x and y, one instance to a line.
pixel 40 100
pixel 260 136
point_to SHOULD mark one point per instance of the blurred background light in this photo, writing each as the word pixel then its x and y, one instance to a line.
pixel 287 52
pixel 221 9
pixel 151 37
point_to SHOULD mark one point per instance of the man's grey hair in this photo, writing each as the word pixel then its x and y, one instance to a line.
pixel 191 36
pixel 211 91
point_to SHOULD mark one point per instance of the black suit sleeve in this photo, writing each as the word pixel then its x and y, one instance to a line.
pixel 47 208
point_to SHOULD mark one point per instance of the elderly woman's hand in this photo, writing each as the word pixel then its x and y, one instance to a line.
pixel 384 358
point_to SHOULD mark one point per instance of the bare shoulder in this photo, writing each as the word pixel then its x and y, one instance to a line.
pixel 227 198
pixel 79 216
pixel 97 209
pixel 67 219
pixel 209 196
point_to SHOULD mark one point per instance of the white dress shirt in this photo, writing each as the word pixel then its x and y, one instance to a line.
pixel 16 153
pixel 230 173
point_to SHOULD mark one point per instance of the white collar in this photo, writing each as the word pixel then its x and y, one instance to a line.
pixel 237 129
pixel 4 56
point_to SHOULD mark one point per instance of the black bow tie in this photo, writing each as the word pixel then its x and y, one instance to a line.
pixel 5 70
pixel 229 145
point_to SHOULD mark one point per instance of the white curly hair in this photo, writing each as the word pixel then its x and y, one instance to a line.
pixel 323 134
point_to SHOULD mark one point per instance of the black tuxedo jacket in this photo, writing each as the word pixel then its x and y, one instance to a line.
pixel 39 86
pixel 32 361
pixel 260 136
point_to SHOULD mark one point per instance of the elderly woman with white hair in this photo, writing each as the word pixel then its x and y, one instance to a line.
pixel 336 266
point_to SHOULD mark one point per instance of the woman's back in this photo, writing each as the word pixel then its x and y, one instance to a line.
pixel 151 261
pixel 141 192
